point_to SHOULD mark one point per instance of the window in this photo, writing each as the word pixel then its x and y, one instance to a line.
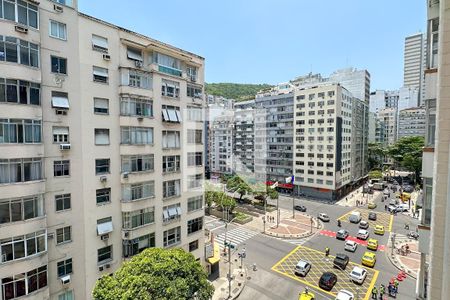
pixel 58 30
pixel 194 136
pixel 330 93
pixel 172 236
pixel 21 209
pixel 171 188
pixel 195 159
pixel 134 54
pixel 136 135
pixel 63 235
pixel 59 65
pixel 19 91
pixel 195 203
pixel 329 173
pixel 100 74
pixel 60 134
pixel 104 226
pixel 25 283
pixel 23 246
pixel 195 181
pixel 136 107
pixel 104 254
pixel 433 42
pixel 194 225
pixel 60 100
pixel 329 182
pixel 170 139
pixel 19 51
pixel 194 114
pixel 193 245
pixel 99 43
pixel 64 267
pixel 61 168
pixel 136 78
pixel 101 106
pixel 67 295
pixel 310 172
pixel 62 202
pixel 167 64
pixel 19 131
pixel 137 245
pixel 191 73
pixel 171 114
pixel 170 89
pixel 20 11
pixel 138 218
pixel 194 91
pixel 171 164
pixel 138 163
pixel 102 166
pixel 138 191
pixel 20 170
pixel 103 196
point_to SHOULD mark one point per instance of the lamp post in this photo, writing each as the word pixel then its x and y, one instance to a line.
pixel 229 255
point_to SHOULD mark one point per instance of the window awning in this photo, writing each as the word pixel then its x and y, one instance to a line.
pixel 134 54
pixel 178 115
pixel 60 102
pixel 172 115
pixel 165 115
pixel 179 210
pixel 173 211
pixel 104 228
pixel 165 214
pixel 99 41
pixel 100 72
pixel 60 130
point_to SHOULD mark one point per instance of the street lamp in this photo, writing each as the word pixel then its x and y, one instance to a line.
pixel 229 254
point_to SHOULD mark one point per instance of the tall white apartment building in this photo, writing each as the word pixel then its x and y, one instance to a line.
pixel 322 143
pixel 414 63
pixel 244 137
pixel 221 144
pixel 101 145
pixel 411 122
pixel 388 116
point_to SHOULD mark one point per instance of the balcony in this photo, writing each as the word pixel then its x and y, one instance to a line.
pixel 170 71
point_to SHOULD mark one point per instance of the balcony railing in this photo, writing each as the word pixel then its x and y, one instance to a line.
pixel 169 70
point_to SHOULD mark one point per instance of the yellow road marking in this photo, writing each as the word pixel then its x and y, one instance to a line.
pixel 343 217
pixel 390 223
pixel 284 258
pixel 372 284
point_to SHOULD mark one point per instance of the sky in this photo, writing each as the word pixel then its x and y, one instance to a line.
pixel 273 41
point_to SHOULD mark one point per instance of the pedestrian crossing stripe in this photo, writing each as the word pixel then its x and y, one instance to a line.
pixel 295 241
pixel 235 236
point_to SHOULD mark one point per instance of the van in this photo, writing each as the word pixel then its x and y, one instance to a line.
pixel 354 217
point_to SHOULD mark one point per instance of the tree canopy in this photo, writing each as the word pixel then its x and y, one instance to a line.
pixel 237 91
pixel 407 152
pixel 156 273
pixel 238 185
pixel 377 153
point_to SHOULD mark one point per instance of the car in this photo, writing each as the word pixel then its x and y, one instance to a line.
pixel 306 295
pixel 342 234
pixel 372 244
pixel 324 217
pixel 372 216
pixel 345 295
pixel 327 281
pixel 301 208
pixel 392 208
pixel 379 229
pixel 369 259
pixel 362 234
pixel 402 207
pixel 302 268
pixel 408 188
pixel 354 217
pixel 340 261
pixel 363 224
pixel 371 205
pixel 358 275
pixel 350 246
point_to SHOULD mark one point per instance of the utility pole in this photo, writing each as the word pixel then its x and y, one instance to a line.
pixel 229 270
pixel 278 212
pixel 293 204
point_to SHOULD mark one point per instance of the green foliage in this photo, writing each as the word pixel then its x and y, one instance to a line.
pixel 237 91
pixel 377 152
pixel 375 174
pixel 162 274
pixel 238 185
pixel 262 191
pixel 407 152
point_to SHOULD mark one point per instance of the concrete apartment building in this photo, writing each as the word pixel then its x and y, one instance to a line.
pixel 414 63
pixel 221 144
pixel 388 116
pixel 244 137
pixel 101 147
pixel 323 140
pixel 411 122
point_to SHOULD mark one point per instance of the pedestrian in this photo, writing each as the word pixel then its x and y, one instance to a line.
pixel 396 285
pixel 382 290
pixel 385 207
pixel 327 251
pixel 374 293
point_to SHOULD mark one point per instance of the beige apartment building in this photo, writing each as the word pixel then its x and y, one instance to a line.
pixel 101 149
pixel 323 146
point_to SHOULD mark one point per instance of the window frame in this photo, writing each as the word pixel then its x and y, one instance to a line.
pixel 66 266
pixel 63 235
pixel 104 168
pixel 58 29
pixel 65 168
pixel 59 59
pixel 109 251
pixel 66 202
pixel 98 110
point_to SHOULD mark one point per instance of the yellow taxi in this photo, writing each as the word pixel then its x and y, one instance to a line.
pixel 372 244
pixel 369 259
pixel 371 205
pixel 306 295
pixel 379 229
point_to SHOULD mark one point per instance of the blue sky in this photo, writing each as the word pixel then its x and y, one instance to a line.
pixel 272 41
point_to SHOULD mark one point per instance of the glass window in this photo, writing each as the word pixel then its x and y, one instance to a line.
pixel 62 202
pixel 170 139
pixel 101 106
pixel 138 218
pixel 170 88
pixel 137 245
pixel 136 107
pixel 20 131
pixel 64 267
pixel 101 136
pixel 104 254
pixel 99 43
pixel 25 283
pixel 138 163
pixel 194 225
pixel 195 203
pixel 171 188
pixel 23 246
pixel 58 30
pixel 100 74
pixel 59 65
pixel 103 196
pixel 67 295
pixel 63 235
pixel 193 245
pixel 172 236
pixel 60 134
pixel 195 159
pixel 22 92
pixel 102 166
pixel 136 135
pixel 61 168
pixel 171 114
pixel 134 54
pixel 20 170
pixel 194 136
pixel 138 191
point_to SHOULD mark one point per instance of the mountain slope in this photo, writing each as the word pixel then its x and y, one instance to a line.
pixel 237 91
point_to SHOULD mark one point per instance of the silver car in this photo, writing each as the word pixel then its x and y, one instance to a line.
pixel 302 268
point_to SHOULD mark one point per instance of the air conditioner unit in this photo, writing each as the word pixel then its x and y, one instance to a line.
pixel 58 8
pixel 21 29
pixel 101 268
pixel 104 237
pixel 126 234
pixel 107 266
pixel 138 63
pixel 65 279
pixel 64 147
pixel 106 57
pixel 50 235
pixel 103 178
pixel 125 175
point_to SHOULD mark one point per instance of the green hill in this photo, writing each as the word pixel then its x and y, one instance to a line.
pixel 237 91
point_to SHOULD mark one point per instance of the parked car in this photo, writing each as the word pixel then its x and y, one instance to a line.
pixel 302 268
pixel 327 281
pixel 372 216
pixel 354 217
pixel 358 275
pixel 402 207
pixel 301 208
pixel 350 246
pixel 392 208
pixel 369 259
pixel 342 234
pixel 371 205
pixel 363 224
pixel 345 295
pixel 372 244
pixel 362 234
pixel 340 261
pixel 379 229
pixel 324 217
pixel 306 295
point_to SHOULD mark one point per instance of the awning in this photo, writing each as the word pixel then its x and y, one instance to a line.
pixel 134 54
pixel 104 228
pixel 60 102
pixel 216 257
pixel 281 185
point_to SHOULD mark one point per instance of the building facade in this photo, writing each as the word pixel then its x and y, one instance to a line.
pixel 411 122
pixel 388 117
pixel 221 144
pixel 414 63
pixel 244 137
pixel 102 149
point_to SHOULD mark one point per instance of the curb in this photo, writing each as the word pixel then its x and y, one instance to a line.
pixel 244 282
pixel 399 267
pixel 296 236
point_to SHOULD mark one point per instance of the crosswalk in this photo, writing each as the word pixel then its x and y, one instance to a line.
pixel 236 236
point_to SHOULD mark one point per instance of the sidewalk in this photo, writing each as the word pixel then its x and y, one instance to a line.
pixel 239 279
pixel 409 263
pixel 357 196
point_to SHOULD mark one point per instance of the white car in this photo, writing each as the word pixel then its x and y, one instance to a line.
pixel 302 268
pixel 362 234
pixel 324 217
pixel 358 275
pixel 345 295
pixel 350 246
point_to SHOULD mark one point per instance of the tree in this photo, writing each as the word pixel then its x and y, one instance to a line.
pixel 262 191
pixel 407 152
pixel 375 174
pixel 210 191
pixel 238 185
pixel 226 202
pixel 156 274
pixel 377 153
